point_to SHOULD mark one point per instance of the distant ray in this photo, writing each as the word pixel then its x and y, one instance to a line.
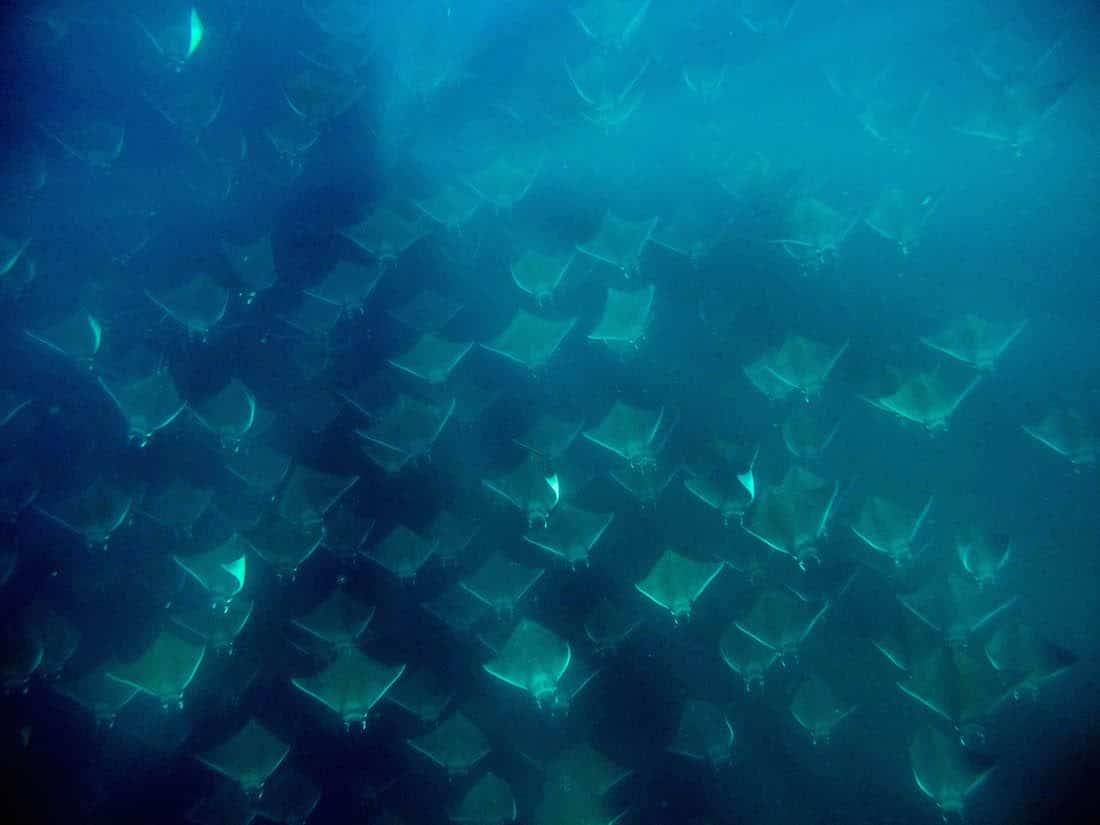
pixel 746 656
pixel 982 552
pixel 502 583
pixel 198 306
pixel 175 39
pixel 610 623
pixel 385 234
pixel 190 107
pixel 95 513
pixel 782 621
pixel 817 710
pixel 706 81
pixel 1015 113
pixel 95 142
pixel 760 375
pixel 611 23
pixel 451 535
pixel 259 466
pixel 804 364
pixel 645 482
pixel 341 18
pixel 550 435
pixel 925 398
pixel 452 207
pixel 348 285
pixel 730 489
pixel 321 95
pixel 249 757
pixel 955 685
pixel 289 796
pixel 766 16
pixel 576 787
pixel 77 336
pixel 607 84
pixel 11 250
pixel 99 694
pixel 58 636
pixel 427 311
pixel 403 432
pixel 808 432
pixel 629 432
pixel 703 733
pixel 148 404
pixel 792 516
pixel 625 318
pixel 506 180
pixel 164 669
pixel 456 745
pixel 1069 434
pixel 571 535
pixel 339 620
pixel 890 528
pixel 619 242
pixel 285 545
pixel 229 413
pixel 253 263
pixel 944 770
pixel 901 216
pixel 530 340
pixel 533 659
pixel 529 488
pixel 346 530
pixel 401 552
pixel 815 231
pixel 309 494
pixel 1017 650
pixel 955 606
pixel 974 341
pixel 23 651
pixel 431 358
pixel 539 275
pixel 694 229
pixel 423 694
pixel 314 316
pixel 458 609
pixel 351 685
pixel 178 505
pixel 293 138
pixel 217 626
pixel 488 802
pixel 675 582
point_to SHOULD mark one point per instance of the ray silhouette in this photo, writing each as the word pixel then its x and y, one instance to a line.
pixel 705 80
pixel 890 528
pixel 625 319
pixel 808 432
pixel 351 685
pixel 507 179
pixel 348 285
pixel 766 16
pixel 401 552
pixel 901 216
pixel 458 609
pixel 313 316
pixel 770 385
pixel 694 229
pixel 452 207
pixel 576 786
pixel 178 505
pixel 781 620
pixel 539 275
pixel 10 407
pixel 218 628
pixel 148 404
pixel 530 340
pixel 165 668
pixel 99 694
pixel 292 138
pixel 550 435
pixel 620 243
pixel 610 623
pixel 423 694
pixel 744 655
pixel 528 488
pixel 404 431
pixel 346 531
pixel 175 39
pixel 198 305
pixel 533 659
pixel 189 107
pixel 77 336
pixel 229 414
pixel 95 513
pixel 608 85
pixel 259 466
pixel 926 398
pixel 427 311
pixel 610 23
pixel 431 358
pixel 309 494
pixel 1069 434
pixel 703 733
pixel 727 488
pixel 944 770
pixel 903 638
pixel 955 606
pixel 95 142
pixel 571 535
pixel 675 582
pixel 817 710
pixel 253 263
pixel 1016 112
pixel 285 545
pixel 815 230
pixel 957 686
pixel 321 95
pixel 456 745
pixel 645 483
pixel 451 535
pixel 488 802
pixel 23 652
pixel 289 796
pixel 338 620
pixel 1029 659
pixel 982 552
pixel 11 250
pixel 502 583
pixel 341 19
pixel 249 757
pixel 792 516
pixel 58 637
pixel 385 234
pixel 974 341
pixel 629 432
pixel 804 365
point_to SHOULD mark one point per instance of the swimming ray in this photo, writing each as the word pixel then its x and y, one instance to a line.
pixel 452 207
pixel 693 230
pixel 508 178
pixel 385 234
pixel 456 745
pixel 502 583
pixel 610 623
pixel 766 16
pixel 178 505
pixel 705 80
pixel 953 684
pixel 164 670
pixel 11 250
pixel 77 336
pixel 533 659
pixel 703 733
pixel 148 404
pixel 292 138
pixel 675 582
pixel 1069 434
pixel 458 609
pixel 228 413
pixel 217 627
pixel 528 488
pixel 903 638
pixel 760 375
pixel 451 535
pixel 431 358
pixel 944 770
pixel 1016 112
pixel 817 710
pixel 175 39
pixel 58 636
pixel 926 398
pixel 619 242
pixel 982 552
pixel 804 364
pixel 259 466
pixel 338 620
pixel 955 606
pixel 346 531
pixel 746 656
pixel 423 694
pixel 974 341
pixel 249 757
pixel 189 106
pixel 790 517
pixel 95 142
pixel 285 545
pixel 607 84
pixel 626 317
pixel 488 802
pixel 550 435
pixel 629 432
pixel 901 216
pixel 1017 649
pixel 289 796
pixel 321 95
pixel 341 19
pixel 530 340
pixel 351 685
pixel 309 494
pixel 611 23
pixel 781 620
pixel 427 311
pixel 94 513
pixel 99 694
pixel 808 432
pixel 403 432
pixel 571 535
pixel 253 263
pixel 314 316
pixel 890 528
pixel 815 231
pixel 539 275
pixel 22 652
pixel 198 306
pixel 348 285
pixel 645 482
pixel 575 789
pixel 224 804
pixel 401 552
pixel 725 489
